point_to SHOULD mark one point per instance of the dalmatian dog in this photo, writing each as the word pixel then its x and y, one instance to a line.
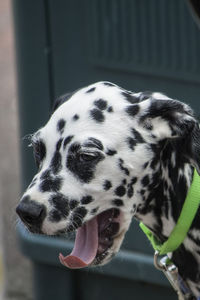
pixel 106 155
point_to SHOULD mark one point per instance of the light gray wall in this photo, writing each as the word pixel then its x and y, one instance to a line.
pixel 17 270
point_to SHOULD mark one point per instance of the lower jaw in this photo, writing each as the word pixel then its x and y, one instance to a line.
pixel 103 255
pixel 103 258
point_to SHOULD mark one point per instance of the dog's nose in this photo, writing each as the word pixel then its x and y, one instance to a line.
pixel 31 212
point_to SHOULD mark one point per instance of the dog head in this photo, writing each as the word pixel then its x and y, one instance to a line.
pixel 95 158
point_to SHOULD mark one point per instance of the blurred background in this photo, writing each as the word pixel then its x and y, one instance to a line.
pixel 48 48
pixel 15 274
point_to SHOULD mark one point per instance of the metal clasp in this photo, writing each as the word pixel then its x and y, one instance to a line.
pixel 171 272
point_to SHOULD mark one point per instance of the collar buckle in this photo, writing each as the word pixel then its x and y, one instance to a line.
pixel 171 272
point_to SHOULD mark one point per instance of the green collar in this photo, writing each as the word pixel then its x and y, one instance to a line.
pixel 184 222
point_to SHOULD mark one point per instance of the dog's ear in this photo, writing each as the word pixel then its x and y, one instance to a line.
pixel 174 120
pixel 192 147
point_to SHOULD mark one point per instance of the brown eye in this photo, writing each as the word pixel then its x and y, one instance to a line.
pixel 36 154
pixel 87 157
pixel 39 152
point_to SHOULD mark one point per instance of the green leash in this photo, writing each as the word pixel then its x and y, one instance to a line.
pixel 184 222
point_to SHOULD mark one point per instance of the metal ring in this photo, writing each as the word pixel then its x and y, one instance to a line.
pixel 157 263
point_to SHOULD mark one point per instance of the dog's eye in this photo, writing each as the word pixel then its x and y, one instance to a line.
pixel 39 152
pixel 85 156
pixel 36 154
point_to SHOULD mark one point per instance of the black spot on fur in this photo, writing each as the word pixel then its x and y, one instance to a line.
pixel 124 181
pixel 55 215
pixel 75 117
pixel 87 200
pixel 60 125
pixel 130 97
pixel 67 140
pixel 134 210
pixel 154 163
pixel 107 185
pixel 61 207
pixel 120 191
pixel 91 90
pixel 100 104
pixel 94 210
pixel 124 169
pixel 183 183
pixel 110 109
pixel 56 165
pixel 130 189
pixel 133 180
pixel 78 215
pixel 145 180
pixel 111 152
pixel 72 204
pixel 145 165
pixel 108 84
pixel 153 136
pixel 118 202
pixel 137 136
pixel 51 184
pixel 156 150
pixel 97 115
pixel 131 143
pixel 80 211
pixel 58 145
pixel 133 110
pixel 142 192
pixel 82 169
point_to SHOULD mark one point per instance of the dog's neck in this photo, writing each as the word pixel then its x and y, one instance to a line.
pixel 167 191
pixel 164 196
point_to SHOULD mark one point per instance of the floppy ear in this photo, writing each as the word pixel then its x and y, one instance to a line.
pixel 192 147
pixel 174 120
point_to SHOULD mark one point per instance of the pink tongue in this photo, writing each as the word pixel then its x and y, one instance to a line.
pixel 85 247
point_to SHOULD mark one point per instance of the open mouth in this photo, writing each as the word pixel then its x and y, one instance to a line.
pixel 93 240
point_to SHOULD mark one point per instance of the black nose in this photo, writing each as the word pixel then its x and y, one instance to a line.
pixel 31 212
